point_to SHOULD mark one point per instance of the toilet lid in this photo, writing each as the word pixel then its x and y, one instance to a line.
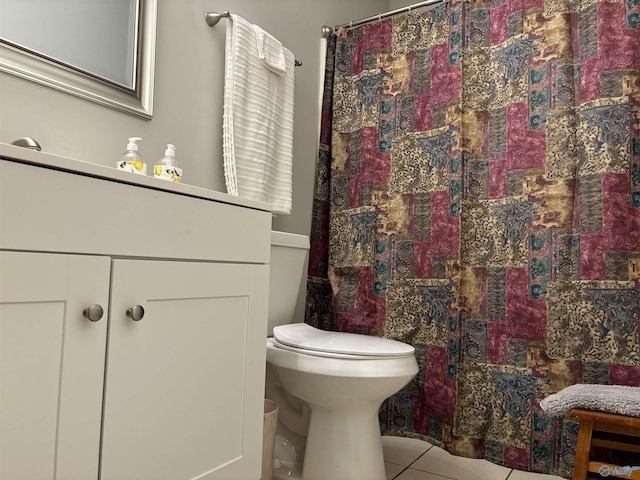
pixel 305 337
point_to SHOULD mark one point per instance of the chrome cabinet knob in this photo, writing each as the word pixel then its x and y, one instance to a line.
pixel 93 312
pixel 135 313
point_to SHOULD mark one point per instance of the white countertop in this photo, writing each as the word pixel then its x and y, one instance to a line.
pixel 57 162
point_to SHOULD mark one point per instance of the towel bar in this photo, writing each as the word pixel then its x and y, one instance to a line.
pixel 212 19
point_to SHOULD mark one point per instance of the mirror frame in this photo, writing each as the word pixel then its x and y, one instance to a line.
pixel 31 66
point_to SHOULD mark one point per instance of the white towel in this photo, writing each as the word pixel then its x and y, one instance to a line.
pixel 258 116
pixel 271 52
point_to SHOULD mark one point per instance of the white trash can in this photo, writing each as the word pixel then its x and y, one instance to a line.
pixel 269 437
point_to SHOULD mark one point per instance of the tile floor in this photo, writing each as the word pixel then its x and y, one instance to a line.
pixel 410 459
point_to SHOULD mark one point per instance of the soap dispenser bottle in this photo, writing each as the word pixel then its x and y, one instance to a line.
pixel 131 160
pixel 168 168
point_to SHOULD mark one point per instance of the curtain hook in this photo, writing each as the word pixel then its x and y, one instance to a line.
pixel 379 17
pixel 410 7
pixel 350 23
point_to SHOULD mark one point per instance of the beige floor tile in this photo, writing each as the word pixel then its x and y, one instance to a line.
pixel 392 470
pixel 403 451
pixel 520 475
pixel 442 463
pixel 411 474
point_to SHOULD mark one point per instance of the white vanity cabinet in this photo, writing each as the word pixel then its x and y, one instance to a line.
pixel 177 380
pixel 168 382
pixel 51 365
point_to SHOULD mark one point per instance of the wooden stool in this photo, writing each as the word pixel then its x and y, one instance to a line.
pixel 629 441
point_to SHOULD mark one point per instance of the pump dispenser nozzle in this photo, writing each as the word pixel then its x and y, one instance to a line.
pixel 133 145
pixel 170 151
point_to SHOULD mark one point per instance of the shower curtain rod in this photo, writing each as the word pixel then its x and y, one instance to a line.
pixel 212 19
pixel 374 18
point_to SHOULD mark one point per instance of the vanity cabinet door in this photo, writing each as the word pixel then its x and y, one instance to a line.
pixel 184 383
pixel 51 364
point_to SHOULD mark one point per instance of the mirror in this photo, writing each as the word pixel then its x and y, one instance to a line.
pixel 100 50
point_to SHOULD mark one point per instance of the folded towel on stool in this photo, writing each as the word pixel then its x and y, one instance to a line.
pixel 616 399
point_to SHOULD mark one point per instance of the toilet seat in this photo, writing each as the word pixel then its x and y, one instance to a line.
pixel 305 339
pixel 317 353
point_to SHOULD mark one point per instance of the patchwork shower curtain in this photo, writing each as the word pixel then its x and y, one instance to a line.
pixel 478 196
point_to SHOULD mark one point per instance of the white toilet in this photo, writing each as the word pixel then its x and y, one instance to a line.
pixel 329 385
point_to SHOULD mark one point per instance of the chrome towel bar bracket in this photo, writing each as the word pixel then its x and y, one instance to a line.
pixel 212 18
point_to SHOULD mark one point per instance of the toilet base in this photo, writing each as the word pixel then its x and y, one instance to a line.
pixel 343 439
pixel 344 445
pixel 284 473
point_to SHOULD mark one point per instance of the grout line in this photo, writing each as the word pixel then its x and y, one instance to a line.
pixel 401 472
pixel 418 458
pixel 425 471
pixel 422 471
pixel 406 467
pixel 421 455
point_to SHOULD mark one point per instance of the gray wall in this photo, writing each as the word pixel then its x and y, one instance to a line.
pixel 188 95
pixel 393 4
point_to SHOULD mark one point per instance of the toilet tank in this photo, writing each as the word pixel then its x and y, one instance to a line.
pixel 288 276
